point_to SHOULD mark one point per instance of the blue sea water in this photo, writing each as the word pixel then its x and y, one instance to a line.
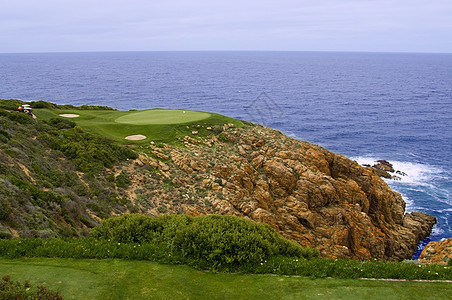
pixel 367 106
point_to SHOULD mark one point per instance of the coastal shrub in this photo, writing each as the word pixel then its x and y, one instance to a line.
pixel 20 118
pixel 94 107
pixel 11 104
pixel 10 289
pixel 217 129
pixel 218 241
pixel 134 228
pixel 61 123
pixel 212 241
pixel 122 180
pixel 4 134
pixel 49 105
pixel 89 153
pixel 5 235
pixel 38 196
pixel 43 104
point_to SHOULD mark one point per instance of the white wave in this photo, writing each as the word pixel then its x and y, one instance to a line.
pixel 407 172
pixel 409 202
pixel 436 230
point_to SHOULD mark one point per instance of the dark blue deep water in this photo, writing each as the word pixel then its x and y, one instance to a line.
pixel 366 106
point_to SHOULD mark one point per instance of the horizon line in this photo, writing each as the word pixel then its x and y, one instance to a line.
pixel 307 51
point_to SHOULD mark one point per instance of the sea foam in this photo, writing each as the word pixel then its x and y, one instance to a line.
pixel 407 172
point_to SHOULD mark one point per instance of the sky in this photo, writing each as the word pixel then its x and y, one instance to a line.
pixel 191 25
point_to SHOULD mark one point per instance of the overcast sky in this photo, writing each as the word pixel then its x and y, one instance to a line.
pixel 302 25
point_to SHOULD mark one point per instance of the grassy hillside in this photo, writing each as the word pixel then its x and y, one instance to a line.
pixel 59 176
pixel 54 176
pixel 119 279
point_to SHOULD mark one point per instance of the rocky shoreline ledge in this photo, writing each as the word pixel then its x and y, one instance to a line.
pixel 307 193
pixel 437 252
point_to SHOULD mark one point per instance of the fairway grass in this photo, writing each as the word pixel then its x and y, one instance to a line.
pixel 157 125
pixel 119 279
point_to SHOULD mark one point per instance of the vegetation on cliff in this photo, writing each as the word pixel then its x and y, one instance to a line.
pixel 54 177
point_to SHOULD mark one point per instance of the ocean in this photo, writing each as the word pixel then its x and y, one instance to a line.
pixel 367 106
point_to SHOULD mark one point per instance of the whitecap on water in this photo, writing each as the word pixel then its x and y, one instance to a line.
pixel 437 231
pixel 407 172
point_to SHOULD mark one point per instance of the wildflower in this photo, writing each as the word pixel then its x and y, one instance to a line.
pixel 119 244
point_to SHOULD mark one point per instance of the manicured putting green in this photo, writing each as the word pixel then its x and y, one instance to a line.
pixel 162 116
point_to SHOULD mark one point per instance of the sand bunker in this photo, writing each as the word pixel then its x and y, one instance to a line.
pixel 135 137
pixel 69 115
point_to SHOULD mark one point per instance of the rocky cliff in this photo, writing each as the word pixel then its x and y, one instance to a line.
pixel 307 193
pixel 437 253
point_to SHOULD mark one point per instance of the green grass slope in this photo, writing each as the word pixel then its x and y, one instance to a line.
pixel 158 125
pixel 119 279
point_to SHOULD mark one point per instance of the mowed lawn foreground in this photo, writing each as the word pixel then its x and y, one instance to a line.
pixel 120 279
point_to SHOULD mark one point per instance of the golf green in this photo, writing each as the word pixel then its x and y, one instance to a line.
pixel 162 116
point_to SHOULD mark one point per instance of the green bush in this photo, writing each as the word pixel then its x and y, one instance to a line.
pixel 49 105
pixel 61 123
pixel 213 241
pixel 131 228
pixel 16 290
pixel 43 104
pixel 5 135
pixel 21 118
pixel 11 104
pixel 227 240
pixel 122 180
pixel 5 235
pixel 89 153
pixel 38 196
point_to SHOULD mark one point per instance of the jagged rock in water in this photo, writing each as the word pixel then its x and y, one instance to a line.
pixel 437 252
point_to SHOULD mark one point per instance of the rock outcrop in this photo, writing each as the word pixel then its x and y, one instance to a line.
pixel 437 252
pixel 307 193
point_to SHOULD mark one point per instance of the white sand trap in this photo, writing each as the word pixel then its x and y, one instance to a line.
pixel 69 115
pixel 135 137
